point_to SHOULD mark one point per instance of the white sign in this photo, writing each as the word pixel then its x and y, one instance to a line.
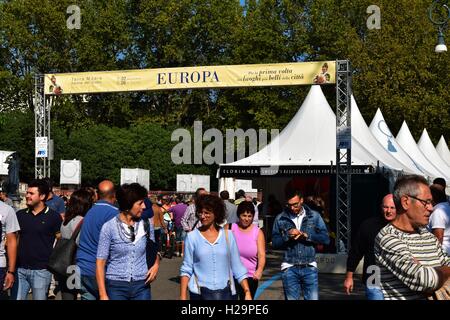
pixel 70 172
pixel 4 166
pixel 191 182
pixel 245 185
pixel 41 147
pixel 140 176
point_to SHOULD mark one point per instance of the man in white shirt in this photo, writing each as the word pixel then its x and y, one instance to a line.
pixel 440 217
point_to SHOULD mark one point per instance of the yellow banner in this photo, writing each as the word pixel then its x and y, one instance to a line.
pixel 257 75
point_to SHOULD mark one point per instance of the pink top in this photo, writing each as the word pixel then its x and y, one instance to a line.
pixel 247 243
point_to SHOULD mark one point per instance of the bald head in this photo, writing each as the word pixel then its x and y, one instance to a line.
pixel 388 207
pixel 106 191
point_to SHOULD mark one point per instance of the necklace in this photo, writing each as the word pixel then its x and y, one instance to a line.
pixel 127 233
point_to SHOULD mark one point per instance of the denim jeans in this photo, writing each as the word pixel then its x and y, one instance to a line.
pixel 124 290
pixel 89 288
pixel 301 279
pixel 374 293
pixel 208 294
pixel 37 280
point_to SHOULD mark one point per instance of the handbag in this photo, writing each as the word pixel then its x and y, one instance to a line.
pixel 151 248
pixel 63 254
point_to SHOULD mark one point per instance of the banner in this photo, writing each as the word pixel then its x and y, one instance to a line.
pixel 281 74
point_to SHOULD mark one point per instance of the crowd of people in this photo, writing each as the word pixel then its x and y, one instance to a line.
pixel 121 235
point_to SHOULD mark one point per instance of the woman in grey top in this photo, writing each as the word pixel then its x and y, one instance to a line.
pixel 79 203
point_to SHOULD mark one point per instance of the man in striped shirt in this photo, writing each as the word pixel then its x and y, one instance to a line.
pixel 412 262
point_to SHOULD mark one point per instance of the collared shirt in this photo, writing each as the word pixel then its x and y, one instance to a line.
pixel 297 219
pixel 36 237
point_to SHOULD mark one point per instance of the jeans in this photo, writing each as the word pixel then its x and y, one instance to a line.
pixel 37 280
pixel 374 293
pixel 298 280
pixel 89 288
pixel 124 290
pixel 208 294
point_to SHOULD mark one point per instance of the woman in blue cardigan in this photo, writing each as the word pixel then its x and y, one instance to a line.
pixel 211 257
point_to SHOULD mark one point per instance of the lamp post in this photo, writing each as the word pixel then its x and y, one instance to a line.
pixel 439 15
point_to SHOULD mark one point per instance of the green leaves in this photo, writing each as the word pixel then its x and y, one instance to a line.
pixel 395 68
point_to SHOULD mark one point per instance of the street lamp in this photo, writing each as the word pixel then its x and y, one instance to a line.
pixel 439 15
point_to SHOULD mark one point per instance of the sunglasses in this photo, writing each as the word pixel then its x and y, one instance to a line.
pixel 132 234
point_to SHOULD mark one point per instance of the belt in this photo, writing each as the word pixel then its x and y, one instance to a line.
pixel 301 265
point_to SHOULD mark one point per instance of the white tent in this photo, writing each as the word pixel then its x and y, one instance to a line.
pixel 309 139
pixel 383 134
pixel 442 150
pixel 362 133
pixel 427 147
pixel 407 142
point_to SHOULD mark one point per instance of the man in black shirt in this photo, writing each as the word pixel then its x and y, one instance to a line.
pixel 363 246
pixel 39 226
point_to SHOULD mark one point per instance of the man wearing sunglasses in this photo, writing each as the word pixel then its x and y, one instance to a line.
pixel 297 230
pixel 412 263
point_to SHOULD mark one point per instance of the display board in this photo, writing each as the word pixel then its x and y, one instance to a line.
pixel 141 176
pixel 70 172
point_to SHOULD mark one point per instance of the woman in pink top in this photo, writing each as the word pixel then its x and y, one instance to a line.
pixel 251 244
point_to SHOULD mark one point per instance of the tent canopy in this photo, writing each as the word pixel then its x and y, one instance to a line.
pixel 384 136
pixel 443 151
pixel 427 148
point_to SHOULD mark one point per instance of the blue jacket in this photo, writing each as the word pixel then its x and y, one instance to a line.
pixel 299 251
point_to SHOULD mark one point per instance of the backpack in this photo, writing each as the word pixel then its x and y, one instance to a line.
pixel 63 254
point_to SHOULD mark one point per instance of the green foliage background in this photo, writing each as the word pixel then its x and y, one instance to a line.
pixel 395 69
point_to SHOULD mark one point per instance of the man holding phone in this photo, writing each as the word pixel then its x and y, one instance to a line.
pixel 297 230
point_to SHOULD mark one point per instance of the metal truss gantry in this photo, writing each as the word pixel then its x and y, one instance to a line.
pixel 343 154
pixel 41 126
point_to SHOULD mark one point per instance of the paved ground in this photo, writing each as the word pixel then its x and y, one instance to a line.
pixel 166 287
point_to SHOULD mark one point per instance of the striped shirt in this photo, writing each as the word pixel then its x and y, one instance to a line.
pixel 407 262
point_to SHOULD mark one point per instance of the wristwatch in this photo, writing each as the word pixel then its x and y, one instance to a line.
pixel 12 272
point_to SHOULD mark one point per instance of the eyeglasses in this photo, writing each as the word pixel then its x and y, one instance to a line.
pixel 132 234
pixel 205 213
pixel 293 205
pixel 425 203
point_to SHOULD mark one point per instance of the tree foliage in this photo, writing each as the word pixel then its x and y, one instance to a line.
pixel 395 69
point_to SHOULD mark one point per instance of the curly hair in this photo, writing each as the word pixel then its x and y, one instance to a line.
pixel 211 203
pixel 245 206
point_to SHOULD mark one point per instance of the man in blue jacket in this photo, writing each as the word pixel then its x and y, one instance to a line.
pixel 297 230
